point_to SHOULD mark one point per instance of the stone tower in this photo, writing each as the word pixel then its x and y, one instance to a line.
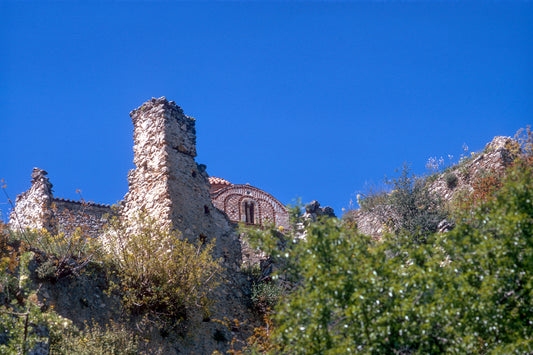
pixel 169 185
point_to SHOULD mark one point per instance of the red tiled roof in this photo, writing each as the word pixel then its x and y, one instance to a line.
pixel 218 181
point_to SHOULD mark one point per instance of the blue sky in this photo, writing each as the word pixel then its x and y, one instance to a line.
pixel 305 99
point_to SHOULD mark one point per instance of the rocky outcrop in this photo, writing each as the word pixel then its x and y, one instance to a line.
pixel 454 181
pixel 495 158
pixel 313 211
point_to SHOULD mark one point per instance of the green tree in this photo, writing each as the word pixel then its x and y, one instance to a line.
pixel 466 291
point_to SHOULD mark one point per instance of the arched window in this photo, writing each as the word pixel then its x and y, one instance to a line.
pixel 248 211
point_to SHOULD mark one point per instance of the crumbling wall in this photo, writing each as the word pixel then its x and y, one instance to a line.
pixel 169 185
pixel 90 217
pixel 33 207
pixel 38 209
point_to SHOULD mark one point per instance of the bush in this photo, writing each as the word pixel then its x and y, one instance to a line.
pixel 372 197
pixel 414 210
pixel 265 295
pixel 158 273
pixel 113 339
pixel 60 254
pixel 465 291
pixel 451 180
pixel 26 324
pixel 407 208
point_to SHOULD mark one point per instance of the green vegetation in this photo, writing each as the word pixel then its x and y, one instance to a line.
pixel 158 276
pixel 113 339
pixel 336 291
pixel 28 324
pixel 265 295
pixel 467 291
pixel 451 180
pixel 158 273
pixel 409 208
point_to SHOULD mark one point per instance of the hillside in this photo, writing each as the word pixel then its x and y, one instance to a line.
pixel 438 264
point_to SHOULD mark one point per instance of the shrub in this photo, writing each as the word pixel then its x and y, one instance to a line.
pixel 61 254
pixel 158 273
pixel 407 208
pixel 372 197
pixel 265 295
pixel 524 138
pixel 25 324
pixel 465 291
pixel 112 339
pixel 414 210
pixel 451 180
pixel 63 249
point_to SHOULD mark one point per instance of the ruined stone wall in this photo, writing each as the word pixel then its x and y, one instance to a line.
pixel 38 209
pixel 88 216
pixel 169 185
pixel 33 207
pixel 148 183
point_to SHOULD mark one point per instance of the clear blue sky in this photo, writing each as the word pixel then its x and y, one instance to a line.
pixel 305 99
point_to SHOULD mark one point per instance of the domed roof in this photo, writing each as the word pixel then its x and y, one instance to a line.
pixel 218 183
pixel 213 180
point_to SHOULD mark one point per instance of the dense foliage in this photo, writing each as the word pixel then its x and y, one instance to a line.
pixel 467 291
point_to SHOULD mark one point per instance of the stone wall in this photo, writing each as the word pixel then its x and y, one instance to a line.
pixel 90 217
pixel 37 208
pixel 33 207
pixel 169 185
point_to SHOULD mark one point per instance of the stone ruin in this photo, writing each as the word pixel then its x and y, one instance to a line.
pixel 37 208
pixel 169 186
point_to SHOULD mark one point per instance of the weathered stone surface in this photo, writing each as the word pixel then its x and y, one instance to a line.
pixel 168 184
pixel 90 217
pixel 496 156
pixel 32 208
pixel 313 211
pixel 38 209
pixel 445 226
